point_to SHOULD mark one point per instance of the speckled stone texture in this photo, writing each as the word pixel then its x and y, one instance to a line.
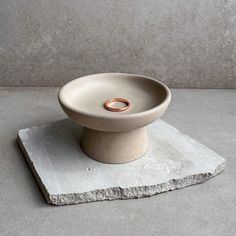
pixel 67 176
pixel 183 43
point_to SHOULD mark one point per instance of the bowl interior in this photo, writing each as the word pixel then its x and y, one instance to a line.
pixel 88 94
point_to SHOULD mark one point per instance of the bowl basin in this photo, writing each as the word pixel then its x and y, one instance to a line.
pixel 114 137
pixel 83 101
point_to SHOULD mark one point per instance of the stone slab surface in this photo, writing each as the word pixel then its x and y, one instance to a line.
pixel 67 176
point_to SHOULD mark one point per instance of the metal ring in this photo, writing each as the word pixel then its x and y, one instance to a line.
pixel 108 102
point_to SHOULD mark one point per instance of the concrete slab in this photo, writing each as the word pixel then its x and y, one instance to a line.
pixel 67 176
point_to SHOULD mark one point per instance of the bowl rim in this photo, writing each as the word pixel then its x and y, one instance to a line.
pixel 117 116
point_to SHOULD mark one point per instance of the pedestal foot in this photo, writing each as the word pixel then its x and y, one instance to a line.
pixel 114 147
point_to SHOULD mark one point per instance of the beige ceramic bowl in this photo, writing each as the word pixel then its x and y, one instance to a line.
pixel 114 137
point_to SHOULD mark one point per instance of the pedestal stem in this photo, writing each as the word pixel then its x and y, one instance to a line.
pixel 114 147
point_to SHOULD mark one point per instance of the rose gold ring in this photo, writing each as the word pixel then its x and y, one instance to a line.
pixel 108 102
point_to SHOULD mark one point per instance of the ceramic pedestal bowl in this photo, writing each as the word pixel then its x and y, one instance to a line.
pixel 117 135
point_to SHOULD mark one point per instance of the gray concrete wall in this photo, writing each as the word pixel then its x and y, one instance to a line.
pixel 184 43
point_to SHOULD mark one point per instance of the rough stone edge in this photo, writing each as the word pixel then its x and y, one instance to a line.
pixel 132 192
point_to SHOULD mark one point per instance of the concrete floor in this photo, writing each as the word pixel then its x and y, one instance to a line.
pixel 209 116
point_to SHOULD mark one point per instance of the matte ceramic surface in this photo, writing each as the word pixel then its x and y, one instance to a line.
pixel 83 101
pixel 114 147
